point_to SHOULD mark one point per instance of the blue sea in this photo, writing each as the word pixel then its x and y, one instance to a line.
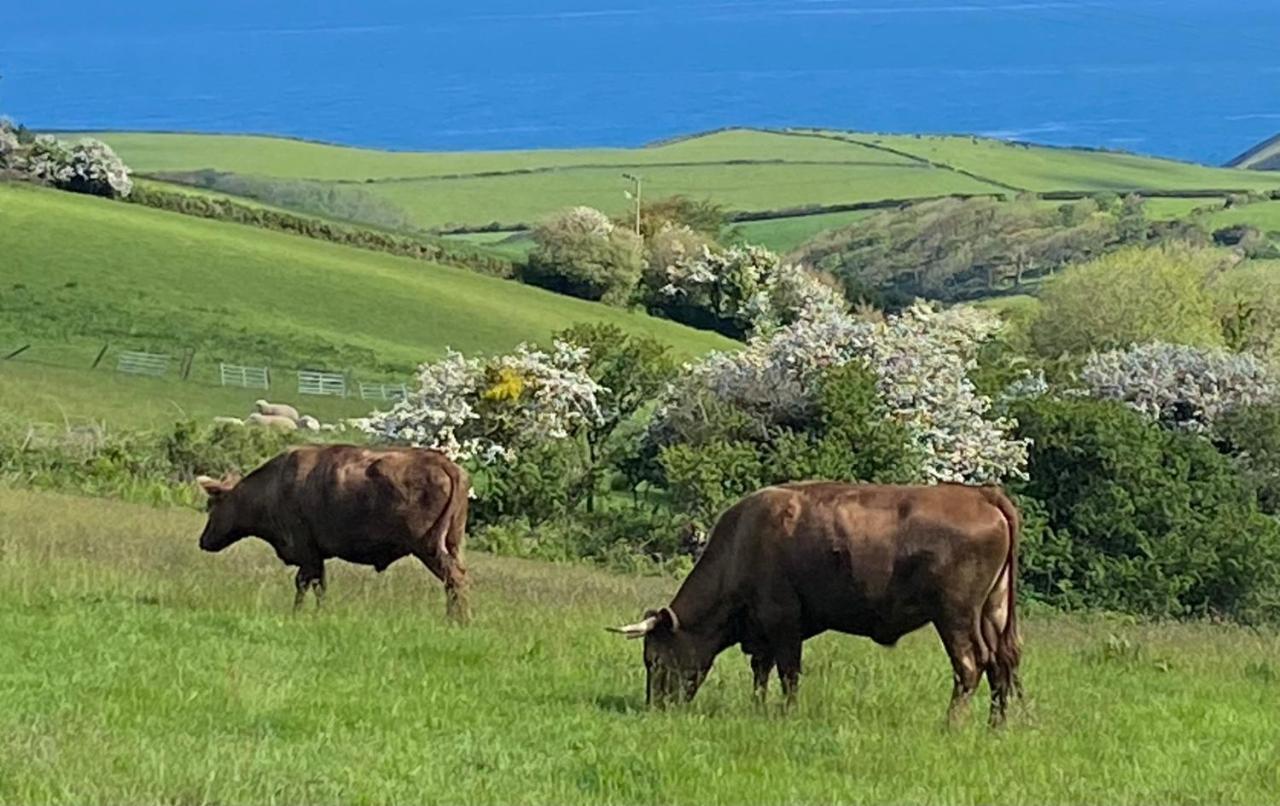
pixel 1193 79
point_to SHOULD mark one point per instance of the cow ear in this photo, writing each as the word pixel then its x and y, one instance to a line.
pixel 664 619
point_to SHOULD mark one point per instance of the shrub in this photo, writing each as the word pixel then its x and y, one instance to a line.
pixel 89 166
pixel 1140 519
pixel 9 146
pixel 739 291
pixel 1133 296
pixel 1251 434
pixel 582 254
pixel 702 216
pixel 921 359
pixel 1179 386
pixel 488 410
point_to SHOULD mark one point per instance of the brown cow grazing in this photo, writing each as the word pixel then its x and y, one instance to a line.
pixel 364 506
pixel 792 561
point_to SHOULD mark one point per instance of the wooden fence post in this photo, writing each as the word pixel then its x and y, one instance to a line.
pixel 101 353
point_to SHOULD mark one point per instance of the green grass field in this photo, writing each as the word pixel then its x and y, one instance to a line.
pixel 80 271
pixel 297 159
pixel 785 234
pixel 744 170
pixel 1043 169
pixel 134 668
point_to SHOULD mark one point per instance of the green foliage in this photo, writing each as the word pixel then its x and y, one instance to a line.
pixel 960 248
pixel 1133 296
pixel 578 255
pixel 147 467
pixel 1251 434
pixel 327 199
pixel 702 216
pixel 730 452
pixel 1140 519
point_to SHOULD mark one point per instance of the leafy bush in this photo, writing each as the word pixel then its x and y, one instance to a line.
pixel 9 146
pixel 738 290
pixel 955 249
pixel 702 216
pixel 1140 519
pixel 220 209
pixel 152 468
pixel 581 253
pixel 1251 434
pixel 1133 296
pixel 1183 387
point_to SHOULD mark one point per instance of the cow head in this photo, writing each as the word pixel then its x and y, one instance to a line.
pixel 675 662
pixel 221 530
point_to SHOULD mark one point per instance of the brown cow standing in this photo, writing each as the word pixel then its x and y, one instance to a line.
pixel 795 560
pixel 361 505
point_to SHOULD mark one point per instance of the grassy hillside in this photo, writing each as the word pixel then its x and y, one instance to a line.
pixel 744 170
pixel 1043 169
pixel 521 198
pixel 298 159
pixel 785 234
pixel 79 271
pixel 135 668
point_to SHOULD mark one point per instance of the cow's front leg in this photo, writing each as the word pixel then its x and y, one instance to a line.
pixel 788 658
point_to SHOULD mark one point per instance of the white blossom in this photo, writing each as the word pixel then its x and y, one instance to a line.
pixel 489 409
pixel 1185 387
pixel 921 359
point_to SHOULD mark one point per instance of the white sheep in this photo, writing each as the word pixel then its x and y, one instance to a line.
pixel 271 421
pixel 276 410
pixel 308 423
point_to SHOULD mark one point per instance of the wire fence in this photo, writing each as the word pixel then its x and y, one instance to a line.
pixel 187 366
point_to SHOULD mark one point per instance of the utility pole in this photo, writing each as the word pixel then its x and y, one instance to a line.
pixel 635 181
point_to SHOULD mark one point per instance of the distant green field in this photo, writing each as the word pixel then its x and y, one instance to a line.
pixel 522 199
pixel 514 245
pixel 1263 215
pixel 79 271
pixel 785 234
pixel 741 169
pixel 1044 169
pixel 135 668
pixel 297 159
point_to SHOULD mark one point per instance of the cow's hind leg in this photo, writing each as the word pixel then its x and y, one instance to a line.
pixel 761 666
pixel 788 654
pixel 965 646
pixel 449 570
pixel 1002 664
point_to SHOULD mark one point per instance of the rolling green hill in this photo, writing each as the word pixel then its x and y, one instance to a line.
pixel 746 170
pixel 80 271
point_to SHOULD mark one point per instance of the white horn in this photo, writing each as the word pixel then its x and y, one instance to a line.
pixel 637 630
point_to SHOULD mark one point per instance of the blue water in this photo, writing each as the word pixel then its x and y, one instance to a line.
pixel 1185 78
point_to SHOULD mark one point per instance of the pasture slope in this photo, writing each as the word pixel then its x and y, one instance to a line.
pixel 80 271
pixel 746 170
pixel 136 669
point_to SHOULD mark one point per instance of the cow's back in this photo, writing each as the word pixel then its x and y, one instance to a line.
pixel 361 504
pixel 879 560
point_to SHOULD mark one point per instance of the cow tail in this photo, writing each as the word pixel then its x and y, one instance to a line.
pixel 1009 647
pixel 448 535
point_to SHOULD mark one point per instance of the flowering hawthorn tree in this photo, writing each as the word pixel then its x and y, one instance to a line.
pixel 487 410
pixel 89 166
pixel 921 359
pixel 1185 387
pixel 747 288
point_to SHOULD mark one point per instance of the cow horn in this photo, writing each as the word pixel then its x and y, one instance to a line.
pixel 637 630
